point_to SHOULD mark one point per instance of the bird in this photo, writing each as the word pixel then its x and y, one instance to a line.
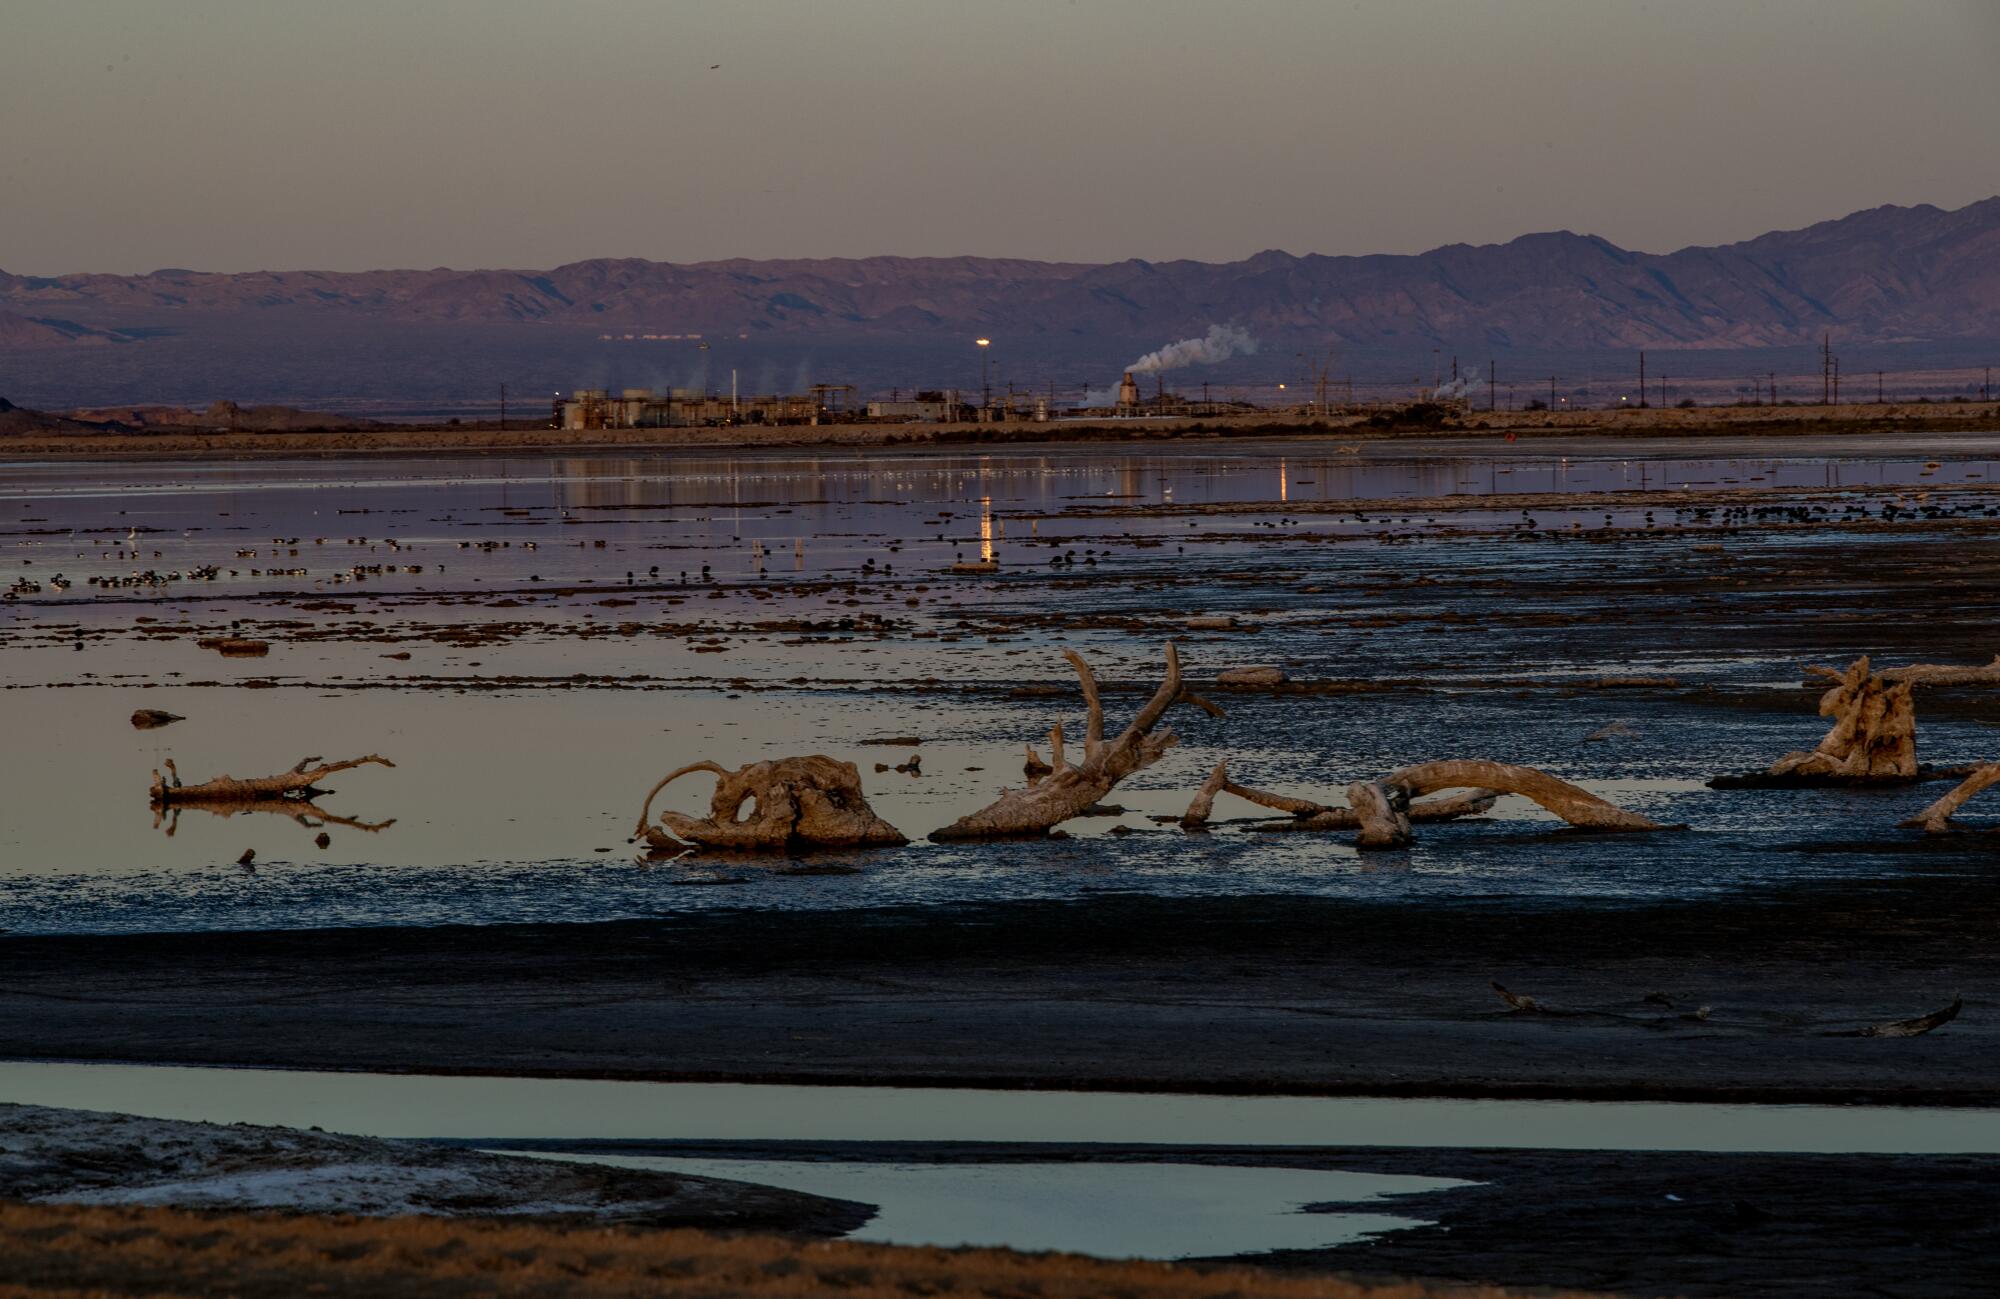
pixel 245 861
pixel 713 66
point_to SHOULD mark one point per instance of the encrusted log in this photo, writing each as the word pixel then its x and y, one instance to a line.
pixel 1383 806
pixel 811 802
pixel 1071 788
pixel 1309 815
pixel 1451 807
pixel 1922 674
pixel 1917 1027
pixel 1218 782
pixel 1936 819
pixel 296 785
pixel 1874 734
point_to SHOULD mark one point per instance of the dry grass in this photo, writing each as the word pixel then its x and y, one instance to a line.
pixel 49 1251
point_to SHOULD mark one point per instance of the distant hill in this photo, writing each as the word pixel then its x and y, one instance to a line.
pixel 17 330
pixel 1890 276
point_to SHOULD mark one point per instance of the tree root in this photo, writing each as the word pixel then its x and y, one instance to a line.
pixel 296 785
pixel 795 803
pixel 1068 790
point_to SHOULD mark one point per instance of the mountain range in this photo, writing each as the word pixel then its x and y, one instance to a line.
pixel 1908 277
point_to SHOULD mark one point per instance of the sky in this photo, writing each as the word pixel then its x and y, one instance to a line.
pixel 287 134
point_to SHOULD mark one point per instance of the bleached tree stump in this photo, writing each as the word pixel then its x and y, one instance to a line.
pixel 1874 733
pixel 1383 806
pixel 794 803
pixel 1069 789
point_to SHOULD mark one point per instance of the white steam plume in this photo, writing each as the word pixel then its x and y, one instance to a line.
pixel 1459 389
pixel 1222 342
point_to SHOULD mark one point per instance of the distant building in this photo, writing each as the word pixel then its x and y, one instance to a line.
pixel 594 408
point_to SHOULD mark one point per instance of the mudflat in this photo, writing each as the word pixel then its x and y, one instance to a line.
pixel 1251 994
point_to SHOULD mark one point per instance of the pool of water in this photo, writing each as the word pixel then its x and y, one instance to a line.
pixel 1126 1210
pixel 549 1112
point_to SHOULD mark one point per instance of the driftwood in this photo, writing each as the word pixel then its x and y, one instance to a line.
pixel 1874 733
pixel 1069 790
pixel 1308 815
pixel 1383 806
pixel 1921 674
pixel 811 802
pixel 297 785
pixel 1936 819
pixel 1917 1027
pixel 236 646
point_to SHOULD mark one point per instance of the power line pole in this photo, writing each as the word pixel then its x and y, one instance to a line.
pixel 1552 392
pixel 1878 389
pixel 1836 381
pixel 1642 378
pixel 1774 387
pixel 1492 387
pixel 1825 369
pixel 503 407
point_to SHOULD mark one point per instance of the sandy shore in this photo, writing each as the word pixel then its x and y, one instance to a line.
pixel 1716 421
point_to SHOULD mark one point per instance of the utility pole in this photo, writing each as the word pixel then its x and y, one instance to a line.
pixel 1492 387
pixel 1878 389
pixel 1663 392
pixel 1774 387
pixel 1986 389
pixel 1836 381
pixel 1826 369
pixel 503 407
pixel 1642 379
pixel 1552 392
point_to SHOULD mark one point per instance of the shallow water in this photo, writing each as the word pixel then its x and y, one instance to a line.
pixel 517 782
pixel 549 1112
pixel 1125 1210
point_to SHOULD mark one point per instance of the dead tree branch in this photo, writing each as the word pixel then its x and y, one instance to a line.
pixel 1936 819
pixel 1069 789
pixel 296 785
pixel 1308 815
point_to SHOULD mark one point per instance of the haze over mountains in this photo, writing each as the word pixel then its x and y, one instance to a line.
pixel 1920 280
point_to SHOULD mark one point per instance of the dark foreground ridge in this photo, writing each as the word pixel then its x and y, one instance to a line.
pixel 1256 994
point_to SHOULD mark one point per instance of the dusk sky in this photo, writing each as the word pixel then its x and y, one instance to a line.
pixel 247 134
